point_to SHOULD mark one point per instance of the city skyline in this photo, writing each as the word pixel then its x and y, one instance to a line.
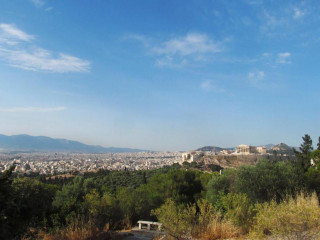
pixel 161 75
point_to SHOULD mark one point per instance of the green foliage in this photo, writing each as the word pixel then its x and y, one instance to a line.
pixel 7 206
pixel 304 156
pixel 100 209
pixel 239 209
pixel 315 155
pixel 33 201
pixel 180 185
pixel 25 202
pixel 220 185
pixel 312 180
pixel 177 220
pixel 215 168
pixel 205 214
pixel 185 222
pixel 294 218
pixel 68 200
pixel 267 180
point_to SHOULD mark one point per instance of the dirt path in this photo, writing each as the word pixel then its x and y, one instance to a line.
pixel 138 235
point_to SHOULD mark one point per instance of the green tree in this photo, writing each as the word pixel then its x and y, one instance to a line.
pixel 100 209
pixel 267 180
pixel 312 180
pixel 303 157
pixel 7 206
pixel 68 201
pixel 315 155
pixel 33 201
pixel 318 144
pixel 220 185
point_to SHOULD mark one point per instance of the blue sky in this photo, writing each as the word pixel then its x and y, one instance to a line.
pixel 161 75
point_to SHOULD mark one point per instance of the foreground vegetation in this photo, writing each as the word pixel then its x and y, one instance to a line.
pixel 271 198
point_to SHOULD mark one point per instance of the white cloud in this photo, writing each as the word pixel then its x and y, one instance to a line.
pixel 10 34
pixel 42 60
pixel 208 86
pixel 192 43
pixel 256 77
pixel 33 109
pixel 38 3
pixel 266 54
pixel 179 51
pixel 137 37
pixel 298 13
pixel 284 58
pixel 17 50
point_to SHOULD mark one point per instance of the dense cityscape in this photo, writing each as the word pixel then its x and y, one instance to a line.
pixel 55 163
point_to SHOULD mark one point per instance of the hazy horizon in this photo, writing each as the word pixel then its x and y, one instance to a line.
pixel 161 75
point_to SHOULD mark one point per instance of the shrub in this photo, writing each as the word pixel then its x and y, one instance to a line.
pixel 178 221
pixel 220 229
pixel 210 224
pixel 295 218
pixel 184 222
pixel 239 210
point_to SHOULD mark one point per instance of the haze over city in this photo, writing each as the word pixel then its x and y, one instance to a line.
pixel 161 75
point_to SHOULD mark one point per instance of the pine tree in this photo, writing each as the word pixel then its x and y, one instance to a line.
pixel 303 157
pixel 306 147
pixel 318 144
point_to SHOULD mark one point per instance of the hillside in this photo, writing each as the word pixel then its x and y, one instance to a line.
pixel 281 148
pixel 46 144
pixel 212 149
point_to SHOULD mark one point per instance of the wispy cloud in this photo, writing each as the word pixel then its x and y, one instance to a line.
pixel 284 58
pixel 10 34
pixel 179 51
pixel 298 13
pixel 208 86
pixel 17 49
pixel 191 44
pixel 256 77
pixel 38 3
pixel 33 109
pixel 42 60
pixel 138 37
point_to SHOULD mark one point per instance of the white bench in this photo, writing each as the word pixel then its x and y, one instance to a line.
pixel 149 223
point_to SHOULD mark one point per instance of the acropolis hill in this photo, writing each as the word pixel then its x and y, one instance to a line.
pixel 242 154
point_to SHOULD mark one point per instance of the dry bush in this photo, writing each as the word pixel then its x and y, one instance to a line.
pixel 77 230
pixel 210 224
pixel 219 229
pixel 293 219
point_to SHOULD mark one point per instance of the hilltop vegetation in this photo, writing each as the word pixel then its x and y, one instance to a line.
pixel 253 201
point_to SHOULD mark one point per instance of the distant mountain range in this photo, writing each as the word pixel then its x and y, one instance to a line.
pixel 27 143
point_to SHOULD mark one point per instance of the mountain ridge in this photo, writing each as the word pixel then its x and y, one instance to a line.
pixel 24 142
